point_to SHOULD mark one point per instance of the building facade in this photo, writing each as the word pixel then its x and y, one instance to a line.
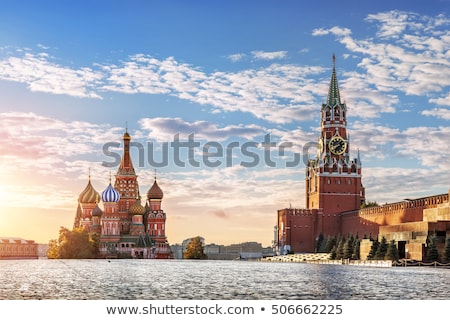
pixel 334 195
pixel 18 248
pixel 126 227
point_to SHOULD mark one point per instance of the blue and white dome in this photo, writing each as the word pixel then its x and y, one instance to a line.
pixel 110 194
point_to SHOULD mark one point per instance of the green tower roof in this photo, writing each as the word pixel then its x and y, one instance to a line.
pixel 333 92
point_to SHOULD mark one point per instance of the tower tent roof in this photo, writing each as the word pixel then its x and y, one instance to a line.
pixel 126 165
pixel 333 92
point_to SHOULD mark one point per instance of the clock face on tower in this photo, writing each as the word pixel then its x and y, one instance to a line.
pixel 337 145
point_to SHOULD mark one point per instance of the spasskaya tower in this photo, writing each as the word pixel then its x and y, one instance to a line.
pixel 333 179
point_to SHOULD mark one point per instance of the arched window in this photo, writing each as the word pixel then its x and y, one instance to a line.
pixel 327 114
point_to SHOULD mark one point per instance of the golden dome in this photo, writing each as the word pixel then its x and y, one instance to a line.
pixel 137 208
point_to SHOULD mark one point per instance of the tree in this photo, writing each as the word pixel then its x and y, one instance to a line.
pixel 194 249
pixel 382 249
pixel 340 249
pixel 356 247
pixel 392 252
pixel 373 250
pixel 432 254
pixel 320 243
pixel 369 204
pixel 53 249
pixel 333 253
pixel 331 242
pixel 348 248
pixel 75 244
pixel 447 249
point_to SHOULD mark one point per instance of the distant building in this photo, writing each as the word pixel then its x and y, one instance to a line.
pixel 127 229
pixel 17 248
pixel 240 251
pixel 334 195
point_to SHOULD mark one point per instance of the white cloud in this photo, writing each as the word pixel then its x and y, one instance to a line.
pixel 409 56
pixel 236 57
pixel 428 145
pixel 164 129
pixel 392 23
pixel 397 183
pixel 267 55
pixel 438 113
pixel 43 76
pixel 337 31
pixel 42 144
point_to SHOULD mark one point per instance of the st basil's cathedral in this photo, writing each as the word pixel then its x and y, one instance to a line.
pixel 127 228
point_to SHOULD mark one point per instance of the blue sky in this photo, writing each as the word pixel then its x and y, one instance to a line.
pixel 74 74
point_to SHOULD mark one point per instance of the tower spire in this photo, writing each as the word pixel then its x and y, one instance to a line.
pixel 126 165
pixel 333 91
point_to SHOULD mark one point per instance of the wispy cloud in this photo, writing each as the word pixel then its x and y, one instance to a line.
pixel 380 142
pixel 269 55
pixel 164 129
pixel 40 74
pixel 236 57
pixel 36 143
pixel 409 56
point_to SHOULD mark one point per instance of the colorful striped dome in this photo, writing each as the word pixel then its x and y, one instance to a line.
pixel 110 194
pixel 89 194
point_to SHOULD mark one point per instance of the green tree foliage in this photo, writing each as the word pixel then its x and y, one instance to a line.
pixel 194 249
pixel 447 249
pixel 348 248
pixel 333 252
pixel 75 244
pixel 369 204
pixel 432 254
pixel 320 243
pixel 340 248
pixel 331 242
pixel 392 252
pixel 356 246
pixel 382 249
pixel 373 250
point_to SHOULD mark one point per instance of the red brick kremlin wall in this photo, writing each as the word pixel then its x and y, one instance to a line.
pixel 368 220
pixel 303 226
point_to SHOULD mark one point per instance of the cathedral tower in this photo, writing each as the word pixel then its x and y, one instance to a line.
pixel 156 222
pixel 126 184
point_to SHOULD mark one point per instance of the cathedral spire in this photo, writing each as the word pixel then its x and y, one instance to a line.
pixel 333 91
pixel 126 165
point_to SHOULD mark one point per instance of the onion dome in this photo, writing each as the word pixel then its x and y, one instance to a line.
pixel 110 194
pixel 155 192
pixel 97 211
pixel 137 208
pixel 89 195
pixel 126 135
